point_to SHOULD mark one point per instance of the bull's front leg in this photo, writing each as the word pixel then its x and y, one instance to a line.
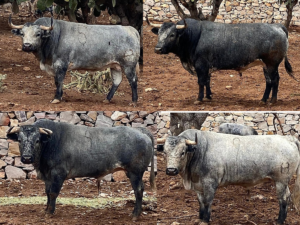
pixel 283 195
pixel 209 190
pixel 138 187
pixel 131 74
pixel 60 70
pixel 203 81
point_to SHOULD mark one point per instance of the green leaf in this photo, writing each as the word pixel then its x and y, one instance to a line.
pixel 73 5
pixel 114 3
pixel 43 4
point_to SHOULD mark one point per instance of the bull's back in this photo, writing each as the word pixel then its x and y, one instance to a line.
pixel 229 46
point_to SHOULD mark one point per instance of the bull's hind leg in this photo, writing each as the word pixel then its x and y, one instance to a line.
pixel 283 195
pixel 117 78
pixel 138 187
pixel 131 74
pixel 272 82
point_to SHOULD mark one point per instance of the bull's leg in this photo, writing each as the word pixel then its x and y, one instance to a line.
pixel 117 78
pixel 275 84
pixel 56 184
pixel 132 78
pixel 47 190
pixel 60 73
pixel 201 203
pixel 283 195
pixel 138 187
pixel 209 190
pixel 268 85
pixel 208 90
pixel 203 80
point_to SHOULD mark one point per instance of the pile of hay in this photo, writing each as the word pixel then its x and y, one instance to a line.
pixel 2 77
pixel 98 82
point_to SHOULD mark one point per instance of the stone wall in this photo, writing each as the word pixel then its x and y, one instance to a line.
pixel 10 163
pixel 239 11
pixel 263 123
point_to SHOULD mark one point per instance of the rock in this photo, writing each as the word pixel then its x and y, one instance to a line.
pixel 161 125
pixel 14 123
pixel 228 87
pixel 9 160
pixel 117 115
pixel 118 123
pixel 28 122
pixel 103 121
pixel 4 119
pixel 92 115
pixel 120 176
pixel 125 120
pixel 3 152
pixel 21 116
pixel 32 175
pixel 29 114
pixel 138 120
pixel 2 175
pixel 263 126
pixel 133 116
pixel 18 162
pixel 51 116
pixel 13 149
pixel 3 144
pixel 26 68
pixel 11 115
pixel 69 117
pixel 108 113
pixel 86 118
pixel 148 121
pixel 89 124
pixel 3 130
pixel 138 125
pixel 153 128
pixel 240 120
pixel 40 115
pixel 2 163
pixel 108 178
pixel 14 173
pixel 143 114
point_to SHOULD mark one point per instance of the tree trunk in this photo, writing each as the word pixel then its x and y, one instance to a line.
pixel 215 10
pixel 290 13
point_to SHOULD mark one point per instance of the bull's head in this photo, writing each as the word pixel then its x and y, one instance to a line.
pixel 168 34
pixel 176 149
pixel 31 34
pixel 30 139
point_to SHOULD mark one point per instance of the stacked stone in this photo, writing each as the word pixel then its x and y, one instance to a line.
pixel 263 123
pixel 10 164
pixel 239 11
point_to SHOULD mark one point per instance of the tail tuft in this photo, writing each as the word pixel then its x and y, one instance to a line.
pixel 288 68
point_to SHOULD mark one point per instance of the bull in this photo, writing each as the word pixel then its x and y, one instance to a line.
pixel 208 160
pixel 205 47
pixel 236 129
pixel 60 151
pixel 59 45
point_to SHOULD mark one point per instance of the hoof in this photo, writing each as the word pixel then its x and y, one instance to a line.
pixel 197 102
pixel 273 101
pixel 106 101
pixel 262 102
pixel 55 101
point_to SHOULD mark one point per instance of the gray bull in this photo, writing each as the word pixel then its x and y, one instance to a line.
pixel 208 160
pixel 236 129
pixel 61 45
pixel 61 151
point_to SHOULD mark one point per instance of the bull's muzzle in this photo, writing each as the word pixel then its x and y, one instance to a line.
pixel 157 50
pixel 27 47
pixel 27 159
pixel 171 171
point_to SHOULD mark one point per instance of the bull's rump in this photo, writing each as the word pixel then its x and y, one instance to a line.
pixel 247 160
pixel 95 152
pixel 94 46
pixel 229 46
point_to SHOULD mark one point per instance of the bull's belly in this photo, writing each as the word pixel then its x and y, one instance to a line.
pixel 246 183
pixel 95 67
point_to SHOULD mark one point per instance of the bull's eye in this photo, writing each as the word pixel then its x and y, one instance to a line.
pixel 182 154
pixel 38 35
pixel 172 35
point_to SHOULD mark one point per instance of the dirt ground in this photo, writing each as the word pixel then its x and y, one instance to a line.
pixel 231 205
pixel 177 89
pixel 113 213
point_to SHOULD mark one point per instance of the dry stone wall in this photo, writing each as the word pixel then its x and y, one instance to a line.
pixel 239 11
pixel 263 123
pixel 10 164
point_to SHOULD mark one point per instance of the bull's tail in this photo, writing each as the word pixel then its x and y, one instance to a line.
pixel 296 191
pixel 137 69
pixel 288 68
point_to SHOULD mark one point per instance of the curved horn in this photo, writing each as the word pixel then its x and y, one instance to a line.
pixel 152 24
pixel 47 28
pixel 161 140
pixel 14 26
pixel 189 142
pixel 179 27
pixel 13 130
pixel 45 131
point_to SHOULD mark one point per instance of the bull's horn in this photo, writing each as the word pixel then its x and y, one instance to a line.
pixel 47 28
pixel 14 26
pixel 161 140
pixel 179 27
pixel 189 142
pixel 45 131
pixel 13 130
pixel 153 24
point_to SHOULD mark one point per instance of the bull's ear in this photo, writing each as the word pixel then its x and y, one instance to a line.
pixel 160 148
pixel 155 30
pixel 12 133
pixel 16 32
pixel 46 33
pixel 45 138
